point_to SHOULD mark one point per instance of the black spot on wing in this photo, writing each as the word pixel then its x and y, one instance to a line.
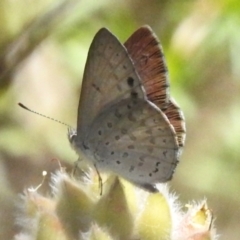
pixel 134 94
pixel 130 82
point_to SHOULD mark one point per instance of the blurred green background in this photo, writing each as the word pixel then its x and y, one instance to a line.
pixel 43 49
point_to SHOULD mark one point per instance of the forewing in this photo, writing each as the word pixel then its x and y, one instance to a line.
pixel 109 77
pixel 146 52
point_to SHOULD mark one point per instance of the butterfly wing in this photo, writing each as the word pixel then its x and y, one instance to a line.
pixel 135 140
pixel 146 52
pixel 176 118
pixel 109 76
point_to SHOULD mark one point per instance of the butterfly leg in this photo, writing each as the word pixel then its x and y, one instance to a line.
pixel 76 168
pixel 99 180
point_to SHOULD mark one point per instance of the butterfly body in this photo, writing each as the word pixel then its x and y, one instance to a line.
pixel 119 129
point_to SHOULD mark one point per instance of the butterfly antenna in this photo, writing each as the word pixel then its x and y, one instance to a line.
pixel 28 109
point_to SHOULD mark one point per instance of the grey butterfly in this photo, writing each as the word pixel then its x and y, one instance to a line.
pixel 127 123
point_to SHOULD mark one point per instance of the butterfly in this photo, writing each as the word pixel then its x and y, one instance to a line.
pixel 127 122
